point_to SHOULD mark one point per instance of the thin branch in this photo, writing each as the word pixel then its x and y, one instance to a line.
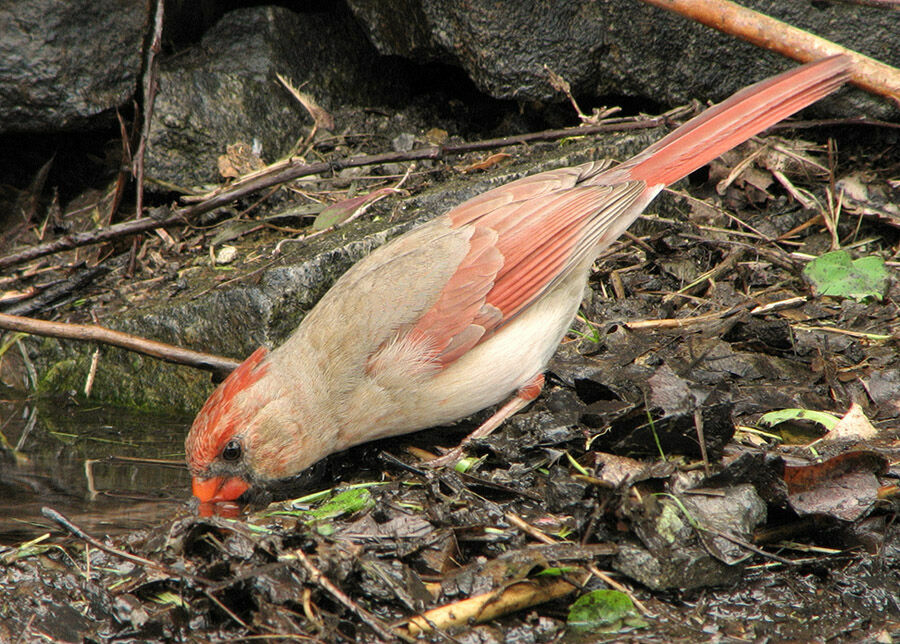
pixel 291 169
pixel 679 323
pixel 163 219
pixel 42 301
pixel 92 333
pixel 151 71
pixel 55 516
pixel 787 40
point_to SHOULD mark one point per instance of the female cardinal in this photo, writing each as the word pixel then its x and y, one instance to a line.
pixel 460 312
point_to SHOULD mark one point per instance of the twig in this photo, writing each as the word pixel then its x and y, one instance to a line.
pixel 775 35
pixel 294 169
pixel 749 546
pixel 225 608
pixel 853 120
pixel 320 579
pixel 875 337
pixel 677 323
pixel 78 280
pixel 530 530
pixel 55 516
pixel 151 70
pixel 162 219
pixel 701 438
pixel 721 211
pixel 92 374
pixel 92 333
pixel 780 305
pixel 487 606
pixel 731 259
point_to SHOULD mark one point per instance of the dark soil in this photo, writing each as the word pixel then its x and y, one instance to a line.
pixel 605 472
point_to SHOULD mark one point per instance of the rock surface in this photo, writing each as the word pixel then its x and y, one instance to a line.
pixel 63 63
pixel 616 47
pixel 225 89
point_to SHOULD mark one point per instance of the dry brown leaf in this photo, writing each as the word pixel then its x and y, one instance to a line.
pixel 854 425
pixel 436 136
pixel 319 115
pixel 238 160
pixel 484 164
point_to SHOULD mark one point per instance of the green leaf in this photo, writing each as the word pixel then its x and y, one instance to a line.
pixel 466 464
pixel 837 274
pixel 341 211
pixel 346 502
pixel 604 610
pixel 824 418
pixel 555 571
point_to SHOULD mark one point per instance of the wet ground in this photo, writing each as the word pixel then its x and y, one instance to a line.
pixel 110 470
pixel 644 467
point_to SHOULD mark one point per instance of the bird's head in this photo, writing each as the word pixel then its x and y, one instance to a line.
pixel 219 446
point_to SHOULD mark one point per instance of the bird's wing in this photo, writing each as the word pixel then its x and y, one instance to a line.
pixel 524 236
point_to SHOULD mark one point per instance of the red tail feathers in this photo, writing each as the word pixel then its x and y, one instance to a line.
pixel 733 121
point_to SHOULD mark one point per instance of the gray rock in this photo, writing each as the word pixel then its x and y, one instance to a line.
pixel 682 543
pixel 225 89
pixel 685 568
pixel 63 63
pixel 617 46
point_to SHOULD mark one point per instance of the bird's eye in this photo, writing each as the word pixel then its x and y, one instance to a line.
pixel 232 450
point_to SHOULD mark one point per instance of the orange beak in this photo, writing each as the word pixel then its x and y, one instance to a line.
pixel 218 488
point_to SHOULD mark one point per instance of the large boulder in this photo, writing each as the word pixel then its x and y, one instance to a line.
pixel 64 63
pixel 619 47
pixel 225 89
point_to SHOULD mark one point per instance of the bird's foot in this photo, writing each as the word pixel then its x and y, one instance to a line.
pixel 526 393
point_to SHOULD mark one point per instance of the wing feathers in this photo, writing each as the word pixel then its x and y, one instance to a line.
pixel 529 234
pixel 522 243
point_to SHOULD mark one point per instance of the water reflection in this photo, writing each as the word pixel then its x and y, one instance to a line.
pixel 109 470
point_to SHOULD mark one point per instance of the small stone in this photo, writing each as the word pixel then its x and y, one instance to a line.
pixel 403 142
pixel 226 255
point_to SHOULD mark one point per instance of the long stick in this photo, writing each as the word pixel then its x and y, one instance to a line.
pixel 775 35
pixel 285 171
pixel 89 332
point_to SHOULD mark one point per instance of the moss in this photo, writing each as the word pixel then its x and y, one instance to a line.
pixel 122 379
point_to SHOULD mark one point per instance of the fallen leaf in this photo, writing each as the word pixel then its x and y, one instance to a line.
pixel 436 136
pixel 824 418
pixel 319 115
pixel 491 161
pixel 238 160
pixel 845 486
pixel 837 274
pixel 864 194
pixel 604 610
pixel 854 425
pixel 342 211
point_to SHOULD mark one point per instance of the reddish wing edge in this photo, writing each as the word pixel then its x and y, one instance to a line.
pixel 531 232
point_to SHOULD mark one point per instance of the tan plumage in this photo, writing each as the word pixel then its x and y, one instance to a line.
pixel 459 313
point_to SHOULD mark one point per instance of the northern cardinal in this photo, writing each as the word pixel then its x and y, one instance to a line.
pixel 459 313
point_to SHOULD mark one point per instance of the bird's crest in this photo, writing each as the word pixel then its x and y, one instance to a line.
pixel 218 419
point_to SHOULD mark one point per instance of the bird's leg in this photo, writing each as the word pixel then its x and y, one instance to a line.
pixel 526 393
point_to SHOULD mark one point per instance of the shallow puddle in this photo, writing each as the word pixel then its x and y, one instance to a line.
pixel 109 470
